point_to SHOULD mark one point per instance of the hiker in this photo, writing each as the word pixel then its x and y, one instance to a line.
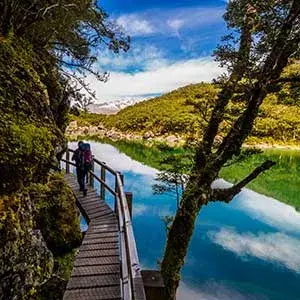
pixel 83 160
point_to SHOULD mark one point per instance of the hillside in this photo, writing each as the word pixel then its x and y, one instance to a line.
pixel 184 112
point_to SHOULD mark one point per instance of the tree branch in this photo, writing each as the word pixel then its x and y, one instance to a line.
pixel 226 195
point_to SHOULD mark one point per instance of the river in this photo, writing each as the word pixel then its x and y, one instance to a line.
pixel 246 250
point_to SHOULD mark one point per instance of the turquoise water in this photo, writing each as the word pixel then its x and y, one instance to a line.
pixel 249 249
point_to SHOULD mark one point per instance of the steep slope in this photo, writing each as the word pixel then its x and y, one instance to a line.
pixel 38 215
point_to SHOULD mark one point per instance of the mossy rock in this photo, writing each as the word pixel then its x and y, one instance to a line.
pixel 57 214
pixel 25 261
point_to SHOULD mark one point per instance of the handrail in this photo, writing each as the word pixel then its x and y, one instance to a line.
pixel 103 182
pixel 102 164
pixel 69 162
pixel 132 287
pixel 133 264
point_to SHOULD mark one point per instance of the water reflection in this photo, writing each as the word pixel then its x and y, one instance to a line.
pixel 246 250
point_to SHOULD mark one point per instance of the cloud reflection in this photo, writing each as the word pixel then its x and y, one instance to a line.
pixel 265 209
pixel 276 247
pixel 213 290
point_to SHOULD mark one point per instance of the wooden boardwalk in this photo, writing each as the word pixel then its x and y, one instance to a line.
pixel 96 273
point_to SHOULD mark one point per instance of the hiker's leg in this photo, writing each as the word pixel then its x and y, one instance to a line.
pixel 78 175
pixel 80 178
pixel 85 172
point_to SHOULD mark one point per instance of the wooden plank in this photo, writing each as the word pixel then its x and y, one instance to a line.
pixel 98 253
pixel 97 261
pixel 92 204
pixel 96 270
pixel 105 293
pixel 97 265
pixel 107 240
pixel 100 235
pixel 101 214
pixel 103 228
pixel 106 221
pixel 99 246
pixel 91 201
pixel 93 281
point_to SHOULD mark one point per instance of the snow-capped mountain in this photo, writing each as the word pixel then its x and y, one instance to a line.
pixel 110 108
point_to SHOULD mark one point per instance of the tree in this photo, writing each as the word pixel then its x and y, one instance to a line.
pixel 65 34
pixel 268 35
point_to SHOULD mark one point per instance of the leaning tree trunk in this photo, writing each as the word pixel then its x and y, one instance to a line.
pixel 195 195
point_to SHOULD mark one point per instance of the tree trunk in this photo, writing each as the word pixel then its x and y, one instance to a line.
pixel 180 233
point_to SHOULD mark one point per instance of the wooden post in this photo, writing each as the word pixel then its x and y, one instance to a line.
pixel 91 176
pixel 122 178
pixel 67 163
pixel 102 186
pixel 154 285
pixel 116 187
pixel 129 202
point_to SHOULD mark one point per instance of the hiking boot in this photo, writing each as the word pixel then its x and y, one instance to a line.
pixel 84 192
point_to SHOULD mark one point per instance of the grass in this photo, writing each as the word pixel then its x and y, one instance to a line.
pixel 282 182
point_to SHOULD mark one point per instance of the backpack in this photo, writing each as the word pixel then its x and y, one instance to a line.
pixel 87 156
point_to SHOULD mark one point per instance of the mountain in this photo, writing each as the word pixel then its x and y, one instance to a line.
pixel 184 113
pixel 113 107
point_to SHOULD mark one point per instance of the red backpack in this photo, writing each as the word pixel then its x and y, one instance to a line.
pixel 87 155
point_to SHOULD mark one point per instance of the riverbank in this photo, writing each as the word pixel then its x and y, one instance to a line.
pixel 75 131
pixel 281 182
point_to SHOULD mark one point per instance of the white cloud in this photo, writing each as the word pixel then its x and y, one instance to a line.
pixel 212 290
pixel 176 24
pixel 161 79
pixel 139 209
pixel 163 21
pixel 135 25
pixel 144 57
pixel 277 248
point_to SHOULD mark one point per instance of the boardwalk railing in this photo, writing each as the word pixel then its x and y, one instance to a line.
pixel 132 286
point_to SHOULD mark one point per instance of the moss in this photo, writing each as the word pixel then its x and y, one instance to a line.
pixel 57 214
pixel 29 149
pixel 33 205
pixel 64 264
pixel 25 261
pixel 29 135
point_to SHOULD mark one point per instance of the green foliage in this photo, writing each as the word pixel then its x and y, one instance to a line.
pixel 185 112
pixel 280 182
pixel 28 132
pixel 68 28
pixel 64 264
pixel 57 214
pixel 289 93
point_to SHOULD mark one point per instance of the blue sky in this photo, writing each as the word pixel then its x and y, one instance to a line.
pixel 172 43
